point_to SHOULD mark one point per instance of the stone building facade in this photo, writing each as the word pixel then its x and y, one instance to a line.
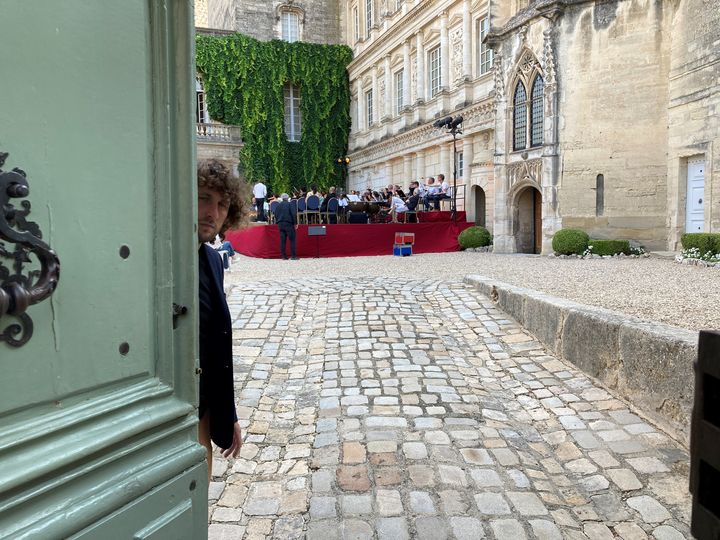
pixel 600 115
pixel 595 115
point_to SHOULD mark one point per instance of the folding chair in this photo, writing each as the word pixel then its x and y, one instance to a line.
pixel 301 209
pixel 332 210
pixel 273 206
pixel 313 207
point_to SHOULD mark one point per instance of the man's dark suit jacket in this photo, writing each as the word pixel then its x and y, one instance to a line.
pixel 284 214
pixel 217 393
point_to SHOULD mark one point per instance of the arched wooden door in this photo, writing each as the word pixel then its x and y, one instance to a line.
pixel 528 221
pixel 480 210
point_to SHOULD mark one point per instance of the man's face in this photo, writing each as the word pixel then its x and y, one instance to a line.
pixel 212 212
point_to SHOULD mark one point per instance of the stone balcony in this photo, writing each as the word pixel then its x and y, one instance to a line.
pixel 218 133
pixel 219 141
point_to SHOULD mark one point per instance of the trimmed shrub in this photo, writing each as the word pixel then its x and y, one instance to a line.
pixel 703 242
pixel 570 242
pixel 474 237
pixel 609 247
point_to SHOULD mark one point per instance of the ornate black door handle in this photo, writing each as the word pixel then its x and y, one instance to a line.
pixel 22 284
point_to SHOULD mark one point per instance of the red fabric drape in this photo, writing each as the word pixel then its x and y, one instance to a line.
pixel 351 240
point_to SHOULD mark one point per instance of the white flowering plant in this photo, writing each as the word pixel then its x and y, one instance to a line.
pixel 695 253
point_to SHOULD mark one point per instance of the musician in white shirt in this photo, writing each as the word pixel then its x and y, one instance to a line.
pixel 259 196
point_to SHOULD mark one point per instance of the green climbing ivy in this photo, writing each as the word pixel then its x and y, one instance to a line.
pixel 244 80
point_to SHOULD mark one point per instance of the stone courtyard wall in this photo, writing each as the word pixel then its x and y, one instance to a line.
pixel 613 60
pixel 221 14
pixel 694 110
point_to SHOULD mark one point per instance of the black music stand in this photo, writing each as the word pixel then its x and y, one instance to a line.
pixel 317 231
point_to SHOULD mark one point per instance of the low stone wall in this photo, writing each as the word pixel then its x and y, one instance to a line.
pixel 648 364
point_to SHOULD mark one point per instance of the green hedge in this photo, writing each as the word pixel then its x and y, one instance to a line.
pixel 474 237
pixel 610 247
pixel 704 242
pixel 570 242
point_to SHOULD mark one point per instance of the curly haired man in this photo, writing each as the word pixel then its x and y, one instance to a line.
pixel 222 205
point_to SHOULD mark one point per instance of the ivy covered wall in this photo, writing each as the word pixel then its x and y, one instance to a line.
pixel 244 80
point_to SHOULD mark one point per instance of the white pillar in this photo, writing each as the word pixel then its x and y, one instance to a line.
pixel 444 52
pixel 388 173
pixel 467 150
pixel 467 40
pixel 420 67
pixel 375 94
pixel 446 166
pixel 388 112
pixel 420 161
pixel 362 113
pixel 406 72
pixel 407 170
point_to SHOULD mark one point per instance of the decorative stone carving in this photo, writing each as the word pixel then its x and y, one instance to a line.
pixel 413 80
pixel 549 59
pixel 528 63
pixel 522 33
pixel 498 76
pixel 456 44
pixel 525 170
pixel 381 97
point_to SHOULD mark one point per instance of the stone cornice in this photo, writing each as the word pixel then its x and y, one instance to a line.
pixel 421 134
pixel 548 9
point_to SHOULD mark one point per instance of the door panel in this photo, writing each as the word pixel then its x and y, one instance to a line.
pixel 695 207
pixel 79 125
pixel 98 111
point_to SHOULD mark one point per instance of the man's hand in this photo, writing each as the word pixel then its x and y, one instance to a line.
pixel 234 449
pixel 296 227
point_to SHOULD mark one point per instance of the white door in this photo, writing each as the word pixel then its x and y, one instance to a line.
pixel 694 210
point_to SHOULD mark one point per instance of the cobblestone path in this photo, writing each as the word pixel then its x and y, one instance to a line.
pixel 389 409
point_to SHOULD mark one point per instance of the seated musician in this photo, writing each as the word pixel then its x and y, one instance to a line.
pixel 430 190
pixel 443 192
pixel 354 196
pixel 397 206
pixel 313 191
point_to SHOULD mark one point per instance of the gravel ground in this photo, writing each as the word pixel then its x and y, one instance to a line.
pixel 652 289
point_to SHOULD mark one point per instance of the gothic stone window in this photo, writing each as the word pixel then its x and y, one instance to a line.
pixel 293 120
pixel 520 117
pixel 528 108
pixel 537 112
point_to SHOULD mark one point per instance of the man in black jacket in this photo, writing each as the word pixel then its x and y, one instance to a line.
pixel 221 205
pixel 286 219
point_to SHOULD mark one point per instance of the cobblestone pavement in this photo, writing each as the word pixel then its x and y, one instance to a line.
pixel 395 409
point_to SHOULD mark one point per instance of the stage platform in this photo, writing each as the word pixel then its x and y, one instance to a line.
pixel 350 240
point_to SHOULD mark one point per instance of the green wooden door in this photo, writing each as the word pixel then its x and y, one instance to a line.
pixel 97 409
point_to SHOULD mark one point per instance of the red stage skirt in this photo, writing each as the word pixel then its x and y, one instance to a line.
pixel 349 240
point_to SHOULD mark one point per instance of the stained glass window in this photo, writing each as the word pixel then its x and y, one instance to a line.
pixel 520 117
pixel 537 112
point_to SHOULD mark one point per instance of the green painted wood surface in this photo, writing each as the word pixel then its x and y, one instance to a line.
pixel 97 109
